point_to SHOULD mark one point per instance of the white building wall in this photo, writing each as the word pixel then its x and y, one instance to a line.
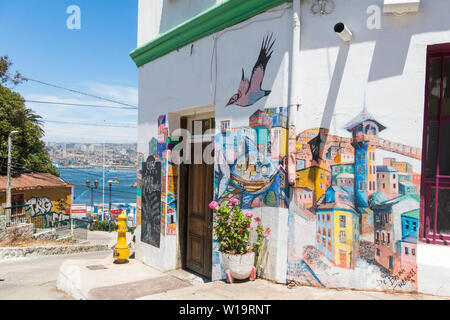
pixel 385 65
pixel 159 16
pixel 388 66
pixel 207 73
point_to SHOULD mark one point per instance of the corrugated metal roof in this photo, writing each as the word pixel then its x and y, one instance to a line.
pixel 29 181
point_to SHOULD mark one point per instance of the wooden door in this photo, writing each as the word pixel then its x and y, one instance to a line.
pixel 343 259
pixel 199 219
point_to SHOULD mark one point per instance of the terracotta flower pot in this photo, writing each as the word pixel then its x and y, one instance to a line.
pixel 239 266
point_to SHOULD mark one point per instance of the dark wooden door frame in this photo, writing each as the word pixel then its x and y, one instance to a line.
pixel 183 194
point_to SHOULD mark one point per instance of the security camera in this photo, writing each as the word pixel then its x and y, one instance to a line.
pixel 343 32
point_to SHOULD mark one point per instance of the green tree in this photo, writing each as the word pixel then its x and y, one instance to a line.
pixel 28 152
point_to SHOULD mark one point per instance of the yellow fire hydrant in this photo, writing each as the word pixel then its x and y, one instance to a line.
pixel 121 250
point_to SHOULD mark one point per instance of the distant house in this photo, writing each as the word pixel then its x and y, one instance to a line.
pixel 303 197
pixel 345 180
pixel 38 195
pixel 387 180
pixel 410 228
pixel 338 169
pixel 406 187
pixel 388 229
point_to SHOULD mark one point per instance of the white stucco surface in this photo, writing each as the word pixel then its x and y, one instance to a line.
pixel 382 68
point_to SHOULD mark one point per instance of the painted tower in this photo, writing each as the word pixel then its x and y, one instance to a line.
pixel 364 129
pixel 262 123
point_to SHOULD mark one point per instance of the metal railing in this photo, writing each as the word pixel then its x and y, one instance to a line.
pixel 63 225
pixel 17 214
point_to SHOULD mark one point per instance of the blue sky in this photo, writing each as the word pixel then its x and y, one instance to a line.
pixel 94 59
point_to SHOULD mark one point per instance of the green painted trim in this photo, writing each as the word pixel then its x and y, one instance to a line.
pixel 215 19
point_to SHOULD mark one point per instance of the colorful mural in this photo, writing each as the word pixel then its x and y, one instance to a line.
pixel 159 149
pixel 353 220
pixel 250 91
pixel 171 216
pixel 360 230
pixel 251 161
pixel 140 160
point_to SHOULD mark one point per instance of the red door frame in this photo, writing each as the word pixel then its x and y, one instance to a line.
pixel 441 51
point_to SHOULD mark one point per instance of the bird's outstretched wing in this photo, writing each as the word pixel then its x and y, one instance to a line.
pixel 244 84
pixel 260 66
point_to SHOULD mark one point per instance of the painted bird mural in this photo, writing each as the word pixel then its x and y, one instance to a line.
pixel 250 91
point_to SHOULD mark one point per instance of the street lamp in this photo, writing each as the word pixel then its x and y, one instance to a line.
pixel 110 182
pixel 88 184
pixel 8 178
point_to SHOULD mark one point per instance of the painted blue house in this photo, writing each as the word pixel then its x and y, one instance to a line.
pixel 410 226
pixel 335 194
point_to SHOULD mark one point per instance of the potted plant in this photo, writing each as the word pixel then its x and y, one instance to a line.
pixel 232 228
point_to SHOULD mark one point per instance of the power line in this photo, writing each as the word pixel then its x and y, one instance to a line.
pixel 90 124
pixel 57 104
pixel 80 105
pixel 73 91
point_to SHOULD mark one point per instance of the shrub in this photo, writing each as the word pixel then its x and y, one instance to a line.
pixel 232 228
pixel 105 226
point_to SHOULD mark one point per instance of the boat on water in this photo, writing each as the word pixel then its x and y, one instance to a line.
pixel 253 171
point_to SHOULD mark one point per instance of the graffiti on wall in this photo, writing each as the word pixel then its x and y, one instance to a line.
pixel 54 219
pixel 354 217
pixel 151 202
pixel 249 92
pixel 41 213
pixel 39 205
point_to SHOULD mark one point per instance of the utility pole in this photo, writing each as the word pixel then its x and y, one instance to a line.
pixel 103 184
pixel 88 184
pixel 8 179
pixel 110 182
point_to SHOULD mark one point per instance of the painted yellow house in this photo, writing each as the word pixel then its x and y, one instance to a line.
pixel 314 178
pixel 343 240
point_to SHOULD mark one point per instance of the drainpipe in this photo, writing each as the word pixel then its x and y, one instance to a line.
pixel 294 98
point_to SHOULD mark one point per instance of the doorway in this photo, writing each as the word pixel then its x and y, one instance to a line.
pixel 195 194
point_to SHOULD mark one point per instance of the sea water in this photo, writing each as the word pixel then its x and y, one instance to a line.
pixel 121 192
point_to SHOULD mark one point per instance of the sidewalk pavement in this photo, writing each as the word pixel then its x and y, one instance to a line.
pixel 102 279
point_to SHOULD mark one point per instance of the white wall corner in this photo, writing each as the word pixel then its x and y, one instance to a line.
pixel 149 20
pixel 433 269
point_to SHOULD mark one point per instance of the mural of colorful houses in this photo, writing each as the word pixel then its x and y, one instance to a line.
pixel 365 212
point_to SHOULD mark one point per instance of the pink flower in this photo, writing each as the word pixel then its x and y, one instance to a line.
pixel 268 237
pixel 240 230
pixel 213 205
pixel 218 218
pixel 249 226
pixel 249 215
pixel 267 232
pixel 258 220
pixel 233 201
